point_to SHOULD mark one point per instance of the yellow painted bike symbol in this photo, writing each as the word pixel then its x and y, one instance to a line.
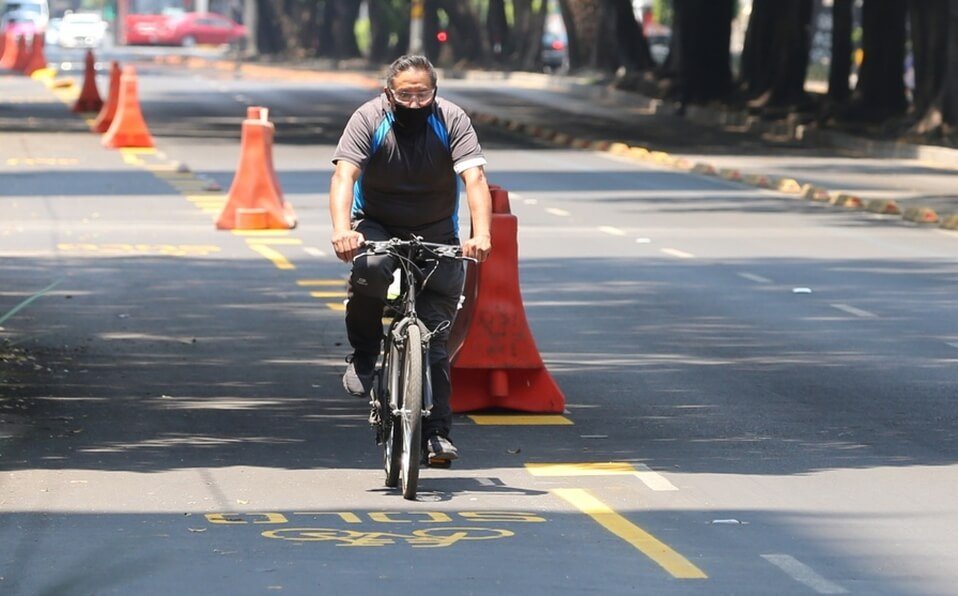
pixel 425 538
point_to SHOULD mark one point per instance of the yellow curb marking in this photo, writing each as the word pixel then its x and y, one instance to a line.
pixel 274 256
pixel 520 420
pixel 675 564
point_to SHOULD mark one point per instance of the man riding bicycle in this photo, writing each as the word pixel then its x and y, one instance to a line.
pixel 396 172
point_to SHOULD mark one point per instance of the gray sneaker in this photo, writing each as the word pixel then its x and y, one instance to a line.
pixel 440 449
pixel 358 379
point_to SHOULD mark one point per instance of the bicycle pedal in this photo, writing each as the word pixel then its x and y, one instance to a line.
pixel 439 463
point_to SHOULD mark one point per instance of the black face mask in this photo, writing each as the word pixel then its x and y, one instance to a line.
pixel 411 120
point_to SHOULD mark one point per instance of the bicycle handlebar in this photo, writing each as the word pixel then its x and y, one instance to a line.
pixel 393 245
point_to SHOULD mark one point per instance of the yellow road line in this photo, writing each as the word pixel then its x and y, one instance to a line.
pixel 337 306
pixel 278 241
pixel 520 420
pixel 612 468
pixel 275 256
pixel 646 475
pixel 255 233
pixel 328 294
pixel 675 564
pixel 321 282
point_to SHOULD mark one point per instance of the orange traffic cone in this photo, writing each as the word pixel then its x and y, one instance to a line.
pixel 105 118
pixel 3 45
pixel 255 197
pixel 38 59
pixel 22 56
pixel 497 363
pixel 89 100
pixel 11 49
pixel 128 128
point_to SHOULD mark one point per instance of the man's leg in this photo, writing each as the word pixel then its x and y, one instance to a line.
pixel 436 304
pixel 368 284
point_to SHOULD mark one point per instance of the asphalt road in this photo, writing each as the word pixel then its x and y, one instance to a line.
pixel 760 389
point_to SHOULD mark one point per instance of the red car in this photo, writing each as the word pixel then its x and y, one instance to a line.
pixel 192 28
pixel 187 29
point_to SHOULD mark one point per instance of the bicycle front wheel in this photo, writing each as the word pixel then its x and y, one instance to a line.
pixel 392 427
pixel 411 419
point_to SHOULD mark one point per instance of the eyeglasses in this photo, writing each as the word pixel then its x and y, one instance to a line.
pixel 410 97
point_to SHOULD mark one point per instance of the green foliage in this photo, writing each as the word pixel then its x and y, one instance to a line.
pixel 363 33
pixel 662 11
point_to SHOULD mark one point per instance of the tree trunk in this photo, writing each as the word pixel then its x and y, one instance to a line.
pixel 950 101
pixel 464 36
pixel 500 42
pixel 380 29
pixel 775 56
pixel 582 23
pixel 529 29
pixel 633 48
pixel 841 63
pixel 699 54
pixel 929 42
pixel 880 92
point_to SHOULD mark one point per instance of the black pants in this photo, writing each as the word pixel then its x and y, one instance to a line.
pixel 435 304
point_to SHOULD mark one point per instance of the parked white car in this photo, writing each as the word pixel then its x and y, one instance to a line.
pixel 81 30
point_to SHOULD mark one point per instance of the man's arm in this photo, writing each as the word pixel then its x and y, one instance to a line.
pixel 345 240
pixel 480 213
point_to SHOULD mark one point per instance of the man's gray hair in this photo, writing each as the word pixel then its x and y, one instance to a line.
pixel 410 62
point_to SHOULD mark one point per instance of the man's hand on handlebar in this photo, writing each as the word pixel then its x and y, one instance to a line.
pixel 477 247
pixel 347 244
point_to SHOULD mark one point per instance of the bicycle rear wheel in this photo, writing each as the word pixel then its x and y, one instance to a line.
pixel 412 374
pixel 392 428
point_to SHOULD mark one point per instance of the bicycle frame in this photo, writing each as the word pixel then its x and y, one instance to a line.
pixel 398 423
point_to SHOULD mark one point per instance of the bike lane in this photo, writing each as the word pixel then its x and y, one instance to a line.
pixel 184 432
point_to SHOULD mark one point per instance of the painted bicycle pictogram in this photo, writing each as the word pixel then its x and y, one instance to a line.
pixel 424 538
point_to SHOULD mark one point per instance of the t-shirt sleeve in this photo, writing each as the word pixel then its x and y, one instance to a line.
pixel 463 141
pixel 355 143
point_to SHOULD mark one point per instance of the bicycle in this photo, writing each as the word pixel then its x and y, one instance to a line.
pixel 401 395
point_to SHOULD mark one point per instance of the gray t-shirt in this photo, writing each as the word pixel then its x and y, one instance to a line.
pixel 410 181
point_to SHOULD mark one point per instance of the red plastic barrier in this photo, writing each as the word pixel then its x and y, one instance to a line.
pixel 495 362
pixel 255 197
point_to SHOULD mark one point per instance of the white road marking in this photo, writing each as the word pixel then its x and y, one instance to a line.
pixel 653 480
pixel 643 240
pixel 313 251
pixel 559 212
pixel 854 311
pixel 804 574
pixel 486 481
pixel 531 201
pixel 756 278
pixel 678 253
pixel 952 344
pixel 611 231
